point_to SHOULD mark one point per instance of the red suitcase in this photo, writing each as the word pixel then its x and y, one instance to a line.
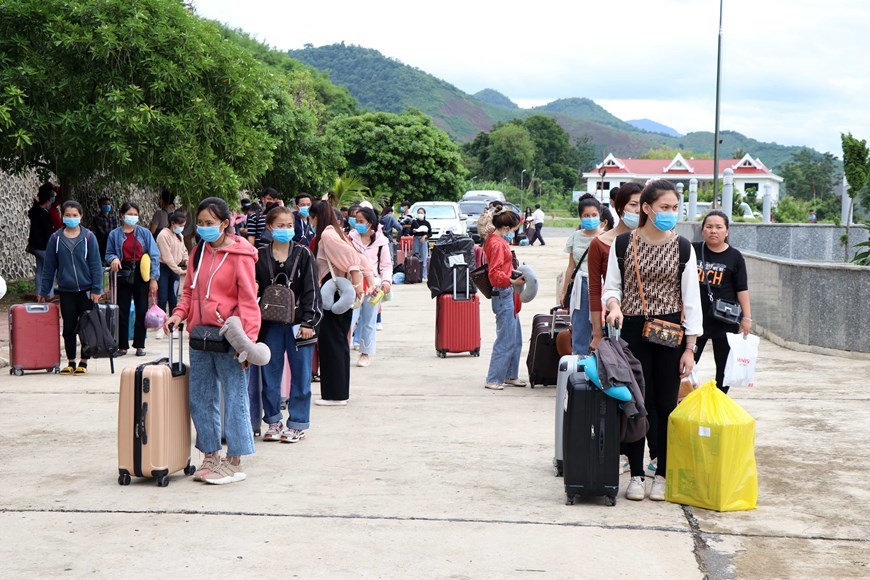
pixel 406 244
pixel 34 338
pixel 457 320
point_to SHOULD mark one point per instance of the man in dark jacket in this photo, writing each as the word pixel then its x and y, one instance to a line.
pixel 105 222
pixel 41 228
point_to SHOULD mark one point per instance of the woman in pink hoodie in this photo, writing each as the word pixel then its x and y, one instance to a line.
pixel 220 283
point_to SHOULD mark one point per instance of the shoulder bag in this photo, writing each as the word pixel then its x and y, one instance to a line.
pixel 566 299
pixel 655 330
pixel 278 303
pixel 207 337
pixel 722 310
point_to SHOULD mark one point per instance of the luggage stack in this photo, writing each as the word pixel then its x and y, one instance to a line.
pixel 542 361
pixel 457 306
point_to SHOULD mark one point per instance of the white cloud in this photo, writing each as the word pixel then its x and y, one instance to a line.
pixel 793 72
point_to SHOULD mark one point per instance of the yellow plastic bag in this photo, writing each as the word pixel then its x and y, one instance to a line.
pixel 711 452
pixel 145 267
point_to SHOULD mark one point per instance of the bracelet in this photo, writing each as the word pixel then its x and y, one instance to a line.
pixel 747 318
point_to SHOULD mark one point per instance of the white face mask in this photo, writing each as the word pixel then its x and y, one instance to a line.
pixel 421 216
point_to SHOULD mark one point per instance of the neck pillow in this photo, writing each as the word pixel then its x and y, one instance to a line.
pixel 530 289
pixel 255 353
pixel 345 291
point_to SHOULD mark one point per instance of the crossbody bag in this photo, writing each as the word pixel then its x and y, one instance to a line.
pixel 566 299
pixel 655 330
pixel 722 310
pixel 207 337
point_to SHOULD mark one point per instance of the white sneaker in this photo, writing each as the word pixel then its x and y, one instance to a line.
pixel 356 346
pixel 635 490
pixel 363 361
pixel 652 467
pixel 623 464
pixel 159 334
pixel 380 326
pixel 329 403
pixel 515 383
pixel 494 386
pixel 659 486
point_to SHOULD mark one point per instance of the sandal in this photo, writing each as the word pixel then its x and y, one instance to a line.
pixel 315 378
pixel 80 371
pixel 67 370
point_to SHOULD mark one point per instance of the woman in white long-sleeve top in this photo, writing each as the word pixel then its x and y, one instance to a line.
pixel 652 274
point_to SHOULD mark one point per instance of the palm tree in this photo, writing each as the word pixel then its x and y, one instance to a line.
pixel 348 189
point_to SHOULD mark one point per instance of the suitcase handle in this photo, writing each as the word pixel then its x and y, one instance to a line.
pixel 34 308
pixel 180 345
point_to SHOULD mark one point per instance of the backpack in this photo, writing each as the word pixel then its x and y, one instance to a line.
pixel 278 303
pixel 94 333
pixel 622 241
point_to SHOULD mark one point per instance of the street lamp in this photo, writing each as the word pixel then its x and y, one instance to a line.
pixel 522 193
pixel 716 136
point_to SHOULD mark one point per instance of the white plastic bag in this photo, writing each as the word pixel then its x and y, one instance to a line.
pixel 740 368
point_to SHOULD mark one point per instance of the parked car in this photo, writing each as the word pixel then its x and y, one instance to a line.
pixel 483 194
pixel 474 209
pixel 443 216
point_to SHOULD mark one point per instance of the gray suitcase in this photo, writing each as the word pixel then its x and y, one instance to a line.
pixel 567 365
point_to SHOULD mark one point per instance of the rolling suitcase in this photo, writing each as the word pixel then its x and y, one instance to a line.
pixel 154 420
pixel 590 441
pixel 34 338
pixel 457 319
pixel 567 366
pixel 413 270
pixel 405 244
pixel 542 361
pixel 400 257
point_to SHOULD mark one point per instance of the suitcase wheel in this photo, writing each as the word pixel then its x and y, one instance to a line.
pixel 256 432
pixel 442 353
pixel 557 468
pixel 124 479
pixel 163 481
pixel 190 469
pixel 17 372
pixel 569 500
pixel 610 500
pixel 475 352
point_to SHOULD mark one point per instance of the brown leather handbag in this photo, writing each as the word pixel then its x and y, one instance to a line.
pixel 655 330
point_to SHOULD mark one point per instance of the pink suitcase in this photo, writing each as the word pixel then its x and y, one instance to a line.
pixel 34 338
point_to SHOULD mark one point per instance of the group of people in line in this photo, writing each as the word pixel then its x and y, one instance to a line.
pixel 660 275
pixel 231 261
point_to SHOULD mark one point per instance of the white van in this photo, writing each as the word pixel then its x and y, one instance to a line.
pixel 443 216
pixel 483 194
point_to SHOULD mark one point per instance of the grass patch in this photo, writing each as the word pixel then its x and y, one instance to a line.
pixel 18 291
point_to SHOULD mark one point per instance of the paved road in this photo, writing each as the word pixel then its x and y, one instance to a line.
pixel 427 475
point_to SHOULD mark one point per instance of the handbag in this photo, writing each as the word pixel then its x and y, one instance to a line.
pixel 566 299
pixel 655 330
pixel 278 303
pixel 207 337
pixel 722 310
pixel 126 276
pixel 480 277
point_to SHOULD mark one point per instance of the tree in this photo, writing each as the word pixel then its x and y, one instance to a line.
pixel 405 155
pixel 139 92
pixel 510 150
pixel 587 154
pixel 810 174
pixel 856 166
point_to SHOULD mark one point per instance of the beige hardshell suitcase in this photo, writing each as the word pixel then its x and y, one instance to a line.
pixel 154 420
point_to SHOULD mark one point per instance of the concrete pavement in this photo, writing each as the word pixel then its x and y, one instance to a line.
pixel 426 474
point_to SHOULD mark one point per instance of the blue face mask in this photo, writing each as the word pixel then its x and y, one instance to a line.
pixel 107 208
pixel 131 220
pixel 282 235
pixel 665 221
pixel 209 233
pixel 631 220
pixel 590 223
pixel 351 221
pixel 509 237
pixel 53 198
pixel 361 228
pixel 72 222
pixel 303 211
pixel 179 230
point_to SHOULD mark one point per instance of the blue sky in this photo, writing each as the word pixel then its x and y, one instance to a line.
pixel 793 72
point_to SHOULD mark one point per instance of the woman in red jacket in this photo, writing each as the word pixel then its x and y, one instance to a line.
pixel 220 283
pixel 504 365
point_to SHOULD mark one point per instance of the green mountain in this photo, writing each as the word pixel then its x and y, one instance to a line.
pixel 385 84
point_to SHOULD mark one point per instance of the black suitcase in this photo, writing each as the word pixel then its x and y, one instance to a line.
pixel 590 441
pixel 542 361
pixel 413 270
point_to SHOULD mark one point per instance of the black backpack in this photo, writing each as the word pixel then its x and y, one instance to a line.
pixel 96 338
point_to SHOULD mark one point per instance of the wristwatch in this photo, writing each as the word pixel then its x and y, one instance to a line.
pixel 692 347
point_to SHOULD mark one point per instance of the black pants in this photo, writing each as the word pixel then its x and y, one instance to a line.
pixel 335 356
pixel 538 234
pixel 661 375
pixel 138 294
pixel 72 305
pixel 721 348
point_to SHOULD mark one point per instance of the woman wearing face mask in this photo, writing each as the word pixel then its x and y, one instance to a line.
pixel 74 255
pixel 373 244
pixel 288 263
pixel 577 248
pixel 336 256
pixel 221 283
pixel 504 364
pixel 721 275
pixel 663 287
pixel 124 250
pixel 627 207
pixel 173 261
pixel 422 232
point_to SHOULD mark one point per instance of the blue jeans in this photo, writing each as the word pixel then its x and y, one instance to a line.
pixel 366 319
pixel 420 249
pixel 166 292
pixel 505 360
pixel 205 370
pixel 281 339
pixel 581 326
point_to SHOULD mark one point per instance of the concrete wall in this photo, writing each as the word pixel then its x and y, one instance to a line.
pixel 818 242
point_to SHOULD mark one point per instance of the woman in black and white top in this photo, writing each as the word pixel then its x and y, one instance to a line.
pixel 721 276
pixel 668 291
pixel 283 261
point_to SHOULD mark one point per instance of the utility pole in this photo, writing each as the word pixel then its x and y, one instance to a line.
pixel 716 137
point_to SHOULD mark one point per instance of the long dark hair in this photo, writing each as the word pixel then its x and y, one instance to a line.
pixel 651 192
pixel 623 196
pixel 216 206
pixel 325 216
